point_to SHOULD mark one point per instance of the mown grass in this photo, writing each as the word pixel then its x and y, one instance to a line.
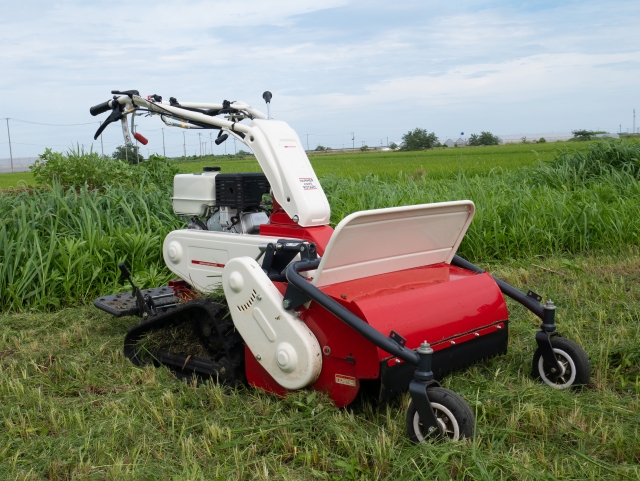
pixel 74 408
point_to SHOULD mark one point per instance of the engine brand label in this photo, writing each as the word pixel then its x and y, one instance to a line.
pixel 205 263
pixel 307 183
pixel 346 380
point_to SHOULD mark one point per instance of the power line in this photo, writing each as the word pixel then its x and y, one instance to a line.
pixel 50 125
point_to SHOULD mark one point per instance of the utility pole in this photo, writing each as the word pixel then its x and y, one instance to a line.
pixel 235 147
pixel 10 149
pixel 387 141
pixel 211 144
pixel 200 141
pixel 307 142
pixel 101 142
pixel 353 139
pixel 634 121
pixel 184 146
pixel 164 151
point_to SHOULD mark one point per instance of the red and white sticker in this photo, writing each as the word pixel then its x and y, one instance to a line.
pixel 308 183
pixel 346 380
pixel 209 264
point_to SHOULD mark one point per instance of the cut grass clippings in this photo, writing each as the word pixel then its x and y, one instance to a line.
pixel 74 408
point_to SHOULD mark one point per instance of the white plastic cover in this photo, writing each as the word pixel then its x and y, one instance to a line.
pixel 374 242
pixel 282 343
pixel 287 167
pixel 193 193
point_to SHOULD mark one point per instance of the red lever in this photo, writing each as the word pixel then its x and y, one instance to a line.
pixel 140 138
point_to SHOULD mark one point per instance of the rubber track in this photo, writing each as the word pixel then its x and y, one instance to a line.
pixel 226 363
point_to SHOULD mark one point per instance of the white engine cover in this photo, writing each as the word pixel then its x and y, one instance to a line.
pixel 293 182
pixel 281 342
pixel 199 256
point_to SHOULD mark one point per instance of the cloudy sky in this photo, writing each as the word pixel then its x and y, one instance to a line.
pixel 376 68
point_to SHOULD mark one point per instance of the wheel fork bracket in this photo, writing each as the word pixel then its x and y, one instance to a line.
pixel 543 338
pixel 418 390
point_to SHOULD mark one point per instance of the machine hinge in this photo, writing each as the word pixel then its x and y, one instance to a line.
pixel 534 295
pixel 397 338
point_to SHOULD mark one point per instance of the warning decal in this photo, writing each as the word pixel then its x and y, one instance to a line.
pixel 346 380
pixel 205 263
pixel 308 183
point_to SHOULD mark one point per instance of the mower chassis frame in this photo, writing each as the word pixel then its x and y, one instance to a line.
pixel 300 291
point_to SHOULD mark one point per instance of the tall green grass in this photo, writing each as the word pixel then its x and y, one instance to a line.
pixel 61 247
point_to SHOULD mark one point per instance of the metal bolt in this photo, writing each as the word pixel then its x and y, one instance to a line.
pixel 259 357
pixel 296 218
pixel 432 428
pixel 223 371
pixel 549 305
pixel 498 327
pixel 453 343
pixel 425 348
pixel 286 303
pixel 259 297
pixel 326 350
pixel 477 334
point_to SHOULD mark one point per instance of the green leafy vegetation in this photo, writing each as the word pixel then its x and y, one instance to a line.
pixel 419 139
pixel 128 153
pixel 585 135
pixel 78 168
pixel 485 138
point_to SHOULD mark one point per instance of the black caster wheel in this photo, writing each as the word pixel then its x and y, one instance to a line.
pixel 454 416
pixel 572 359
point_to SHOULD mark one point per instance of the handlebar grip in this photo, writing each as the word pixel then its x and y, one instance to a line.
pixel 100 108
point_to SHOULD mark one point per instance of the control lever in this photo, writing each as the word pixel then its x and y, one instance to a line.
pixel 146 305
pixel 128 93
pixel 221 137
pixel 116 114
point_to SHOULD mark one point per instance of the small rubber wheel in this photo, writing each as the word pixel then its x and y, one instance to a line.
pixel 454 416
pixel 572 358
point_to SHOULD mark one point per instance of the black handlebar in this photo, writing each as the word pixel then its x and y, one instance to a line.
pixel 100 108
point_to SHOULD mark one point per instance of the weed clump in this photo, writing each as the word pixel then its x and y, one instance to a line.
pixel 77 168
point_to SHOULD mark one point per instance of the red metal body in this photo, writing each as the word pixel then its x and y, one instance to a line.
pixel 281 225
pixel 443 304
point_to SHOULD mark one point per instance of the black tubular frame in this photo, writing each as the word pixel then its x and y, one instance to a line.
pixel 507 289
pixel 344 314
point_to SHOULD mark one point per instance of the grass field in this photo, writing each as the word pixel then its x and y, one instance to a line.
pixel 74 408
pixel 437 163
pixel 17 179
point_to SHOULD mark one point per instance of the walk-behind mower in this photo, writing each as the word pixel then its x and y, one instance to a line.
pixel 381 304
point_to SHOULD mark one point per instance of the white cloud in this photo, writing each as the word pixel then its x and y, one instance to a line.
pixel 333 65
